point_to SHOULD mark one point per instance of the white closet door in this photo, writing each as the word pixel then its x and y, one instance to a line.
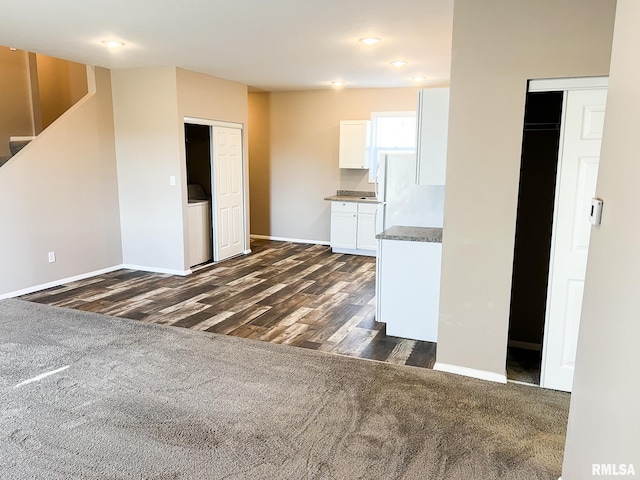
pixel 580 155
pixel 228 212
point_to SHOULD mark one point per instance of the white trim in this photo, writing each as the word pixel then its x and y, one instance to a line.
pixel 247 251
pixel 552 250
pixel 471 372
pixel 196 268
pixel 57 283
pixel 560 84
pixel 292 240
pixel 91 79
pixel 212 123
pixel 525 345
pixel 354 251
pixel 142 268
pixel 95 273
pixel 27 138
pixel 518 382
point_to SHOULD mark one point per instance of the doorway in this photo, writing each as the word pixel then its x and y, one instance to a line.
pixel 215 176
pixel 560 154
pixel 198 158
pixel 532 252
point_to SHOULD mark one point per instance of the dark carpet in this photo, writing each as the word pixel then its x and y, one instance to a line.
pixel 142 401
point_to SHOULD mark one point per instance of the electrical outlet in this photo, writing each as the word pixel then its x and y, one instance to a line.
pixel 172 180
pixel 52 257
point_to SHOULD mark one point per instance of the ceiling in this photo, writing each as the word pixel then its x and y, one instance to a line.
pixel 271 45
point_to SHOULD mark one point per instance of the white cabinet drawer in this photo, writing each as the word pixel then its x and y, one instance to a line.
pixel 346 207
pixel 367 207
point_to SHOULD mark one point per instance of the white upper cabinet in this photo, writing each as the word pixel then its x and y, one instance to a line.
pixel 433 120
pixel 354 142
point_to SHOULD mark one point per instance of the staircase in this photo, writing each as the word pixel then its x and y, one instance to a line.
pixel 14 146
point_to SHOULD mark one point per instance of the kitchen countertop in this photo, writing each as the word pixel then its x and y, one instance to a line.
pixel 412 234
pixel 353 196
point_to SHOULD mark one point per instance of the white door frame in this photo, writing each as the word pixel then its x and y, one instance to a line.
pixel 240 126
pixel 555 85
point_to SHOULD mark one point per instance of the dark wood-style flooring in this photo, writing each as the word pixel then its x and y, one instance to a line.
pixel 296 294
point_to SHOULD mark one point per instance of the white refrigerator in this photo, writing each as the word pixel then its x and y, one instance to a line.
pixel 407 273
pixel 403 201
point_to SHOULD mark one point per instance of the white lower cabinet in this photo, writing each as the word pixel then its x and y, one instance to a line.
pixel 366 234
pixel 353 228
pixel 408 293
pixel 344 224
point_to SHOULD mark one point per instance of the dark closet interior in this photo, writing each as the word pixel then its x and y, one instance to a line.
pixel 198 155
pixel 536 197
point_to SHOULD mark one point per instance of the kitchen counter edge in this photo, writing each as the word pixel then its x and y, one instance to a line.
pixel 412 234
pixel 351 198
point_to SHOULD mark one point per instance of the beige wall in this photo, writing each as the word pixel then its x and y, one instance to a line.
pixel 604 425
pixel 148 150
pixel 260 162
pixel 15 103
pixel 61 84
pixel 210 98
pixel 291 177
pixel 60 194
pixel 149 109
pixel 497 46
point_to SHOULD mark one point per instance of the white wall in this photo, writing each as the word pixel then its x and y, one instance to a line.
pixel 604 425
pixel 60 194
pixel 148 153
pixel 497 47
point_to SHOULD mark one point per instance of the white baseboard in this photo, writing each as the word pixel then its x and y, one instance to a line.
pixel 293 240
pixel 525 345
pixel 57 283
pixel 182 273
pixel 83 276
pixel 471 372
pixel 355 251
pixel 22 139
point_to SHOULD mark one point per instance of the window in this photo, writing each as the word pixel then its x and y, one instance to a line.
pixel 391 132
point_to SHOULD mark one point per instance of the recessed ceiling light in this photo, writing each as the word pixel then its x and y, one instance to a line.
pixel 419 79
pixel 338 84
pixel 113 43
pixel 368 41
pixel 399 63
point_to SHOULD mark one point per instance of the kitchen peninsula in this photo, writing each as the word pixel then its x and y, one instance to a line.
pixel 408 281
